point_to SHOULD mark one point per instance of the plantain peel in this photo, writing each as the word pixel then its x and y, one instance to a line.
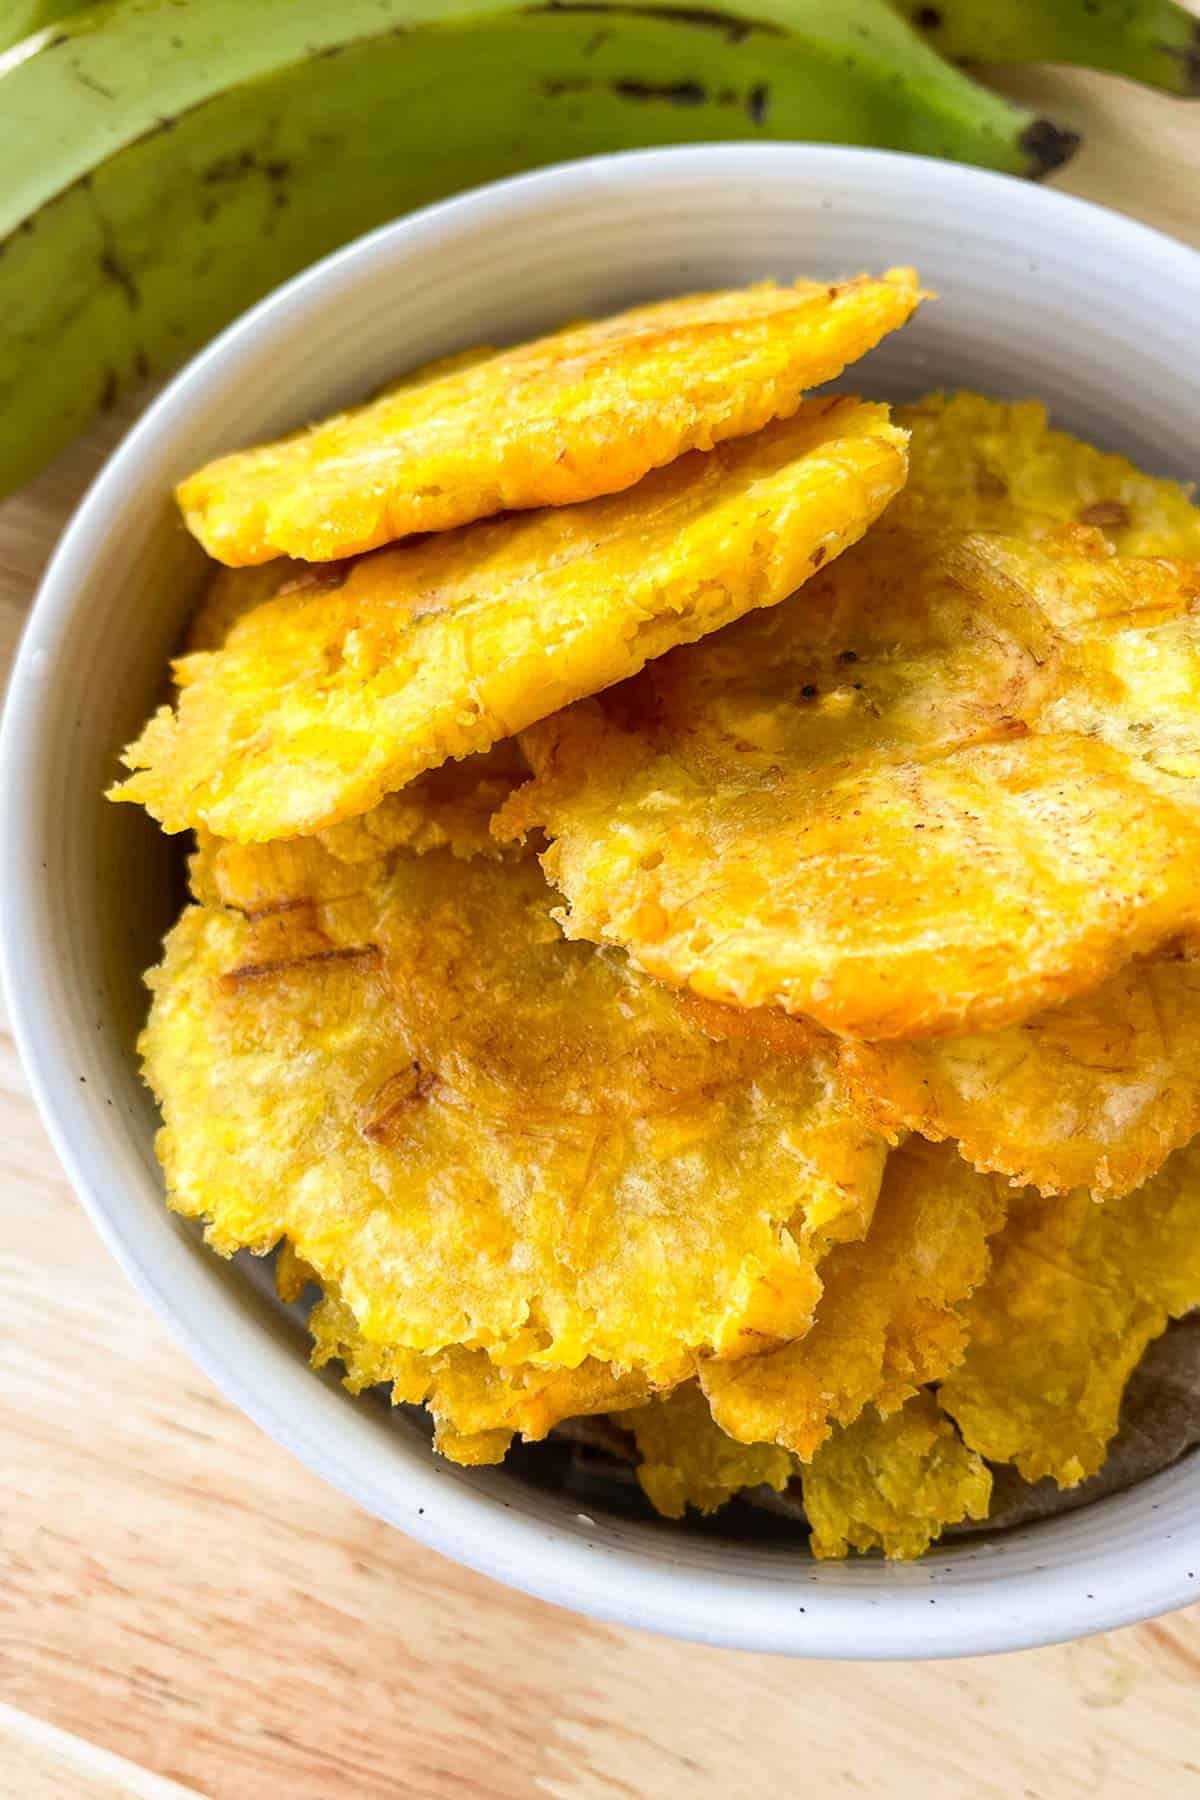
pixel 478 1407
pixel 950 784
pixel 1075 1294
pixel 321 700
pixel 890 1316
pixel 893 1484
pixel 1095 1093
pixel 478 1134
pixel 585 412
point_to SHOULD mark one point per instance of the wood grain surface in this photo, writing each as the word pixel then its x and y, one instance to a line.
pixel 184 1609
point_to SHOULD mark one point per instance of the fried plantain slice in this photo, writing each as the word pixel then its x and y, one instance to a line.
pixel 951 783
pixel 1095 1093
pixel 585 412
pixel 1076 1292
pixel 687 1460
pixel 893 1484
pixel 995 465
pixel 478 1134
pixel 320 701
pixel 477 1407
pixel 890 1317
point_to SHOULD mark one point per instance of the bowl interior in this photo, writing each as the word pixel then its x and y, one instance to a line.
pixel 1039 296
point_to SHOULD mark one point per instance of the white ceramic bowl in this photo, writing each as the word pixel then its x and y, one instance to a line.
pixel 1039 295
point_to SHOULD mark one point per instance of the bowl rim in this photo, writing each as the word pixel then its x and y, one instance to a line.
pixel 655 1590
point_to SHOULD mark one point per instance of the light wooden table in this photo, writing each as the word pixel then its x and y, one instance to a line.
pixel 184 1609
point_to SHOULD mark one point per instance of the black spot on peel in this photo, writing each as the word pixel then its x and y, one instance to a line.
pixel 86 79
pixel 675 93
pixel 114 269
pixel 1190 58
pixel 758 102
pixel 1048 146
pixel 228 168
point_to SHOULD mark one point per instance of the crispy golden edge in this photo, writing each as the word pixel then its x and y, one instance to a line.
pixel 893 1483
pixel 451 808
pixel 1076 1292
pixel 686 1460
pixel 478 1407
pixel 1095 1093
pixel 891 1315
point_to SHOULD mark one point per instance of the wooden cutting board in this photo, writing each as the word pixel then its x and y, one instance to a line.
pixel 184 1609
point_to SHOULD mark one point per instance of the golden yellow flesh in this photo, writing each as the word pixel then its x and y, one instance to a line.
pixel 1076 1292
pixel 893 1484
pixel 890 1317
pixel 229 594
pixel 477 1406
pixel 585 412
pixel 949 784
pixel 481 1135
pixel 686 1460
pixel 1095 1093
pixel 321 701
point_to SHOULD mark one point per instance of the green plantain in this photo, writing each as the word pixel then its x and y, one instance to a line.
pixel 1155 41
pixel 169 161
pixel 21 18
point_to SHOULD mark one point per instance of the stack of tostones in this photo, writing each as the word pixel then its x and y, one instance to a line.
pixel 692 896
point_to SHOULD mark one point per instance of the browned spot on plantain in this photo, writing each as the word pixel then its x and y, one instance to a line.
pixel 1106 512
pixel 274 907
pixel 321 578
pixel 382 1120
pixel 235 979
pixel 769 1025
